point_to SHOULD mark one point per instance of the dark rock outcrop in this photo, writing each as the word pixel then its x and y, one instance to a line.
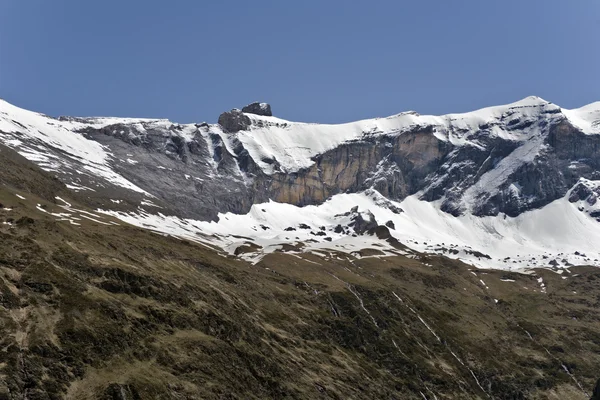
pixel 160 158
pixel 361 225
pixel 234 121
pixel 583 192
pixel 258 108
pixel 596 392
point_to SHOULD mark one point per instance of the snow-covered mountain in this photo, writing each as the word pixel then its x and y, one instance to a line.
pixel 513 186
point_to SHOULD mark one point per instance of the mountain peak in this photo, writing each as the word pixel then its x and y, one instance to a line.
pixel 258 108
pixel 532 101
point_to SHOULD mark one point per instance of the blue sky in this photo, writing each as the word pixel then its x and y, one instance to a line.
pixel 322 61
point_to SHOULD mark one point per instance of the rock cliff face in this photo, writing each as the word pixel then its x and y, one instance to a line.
pixel 492 175
pixel 189 170
pixel 395 166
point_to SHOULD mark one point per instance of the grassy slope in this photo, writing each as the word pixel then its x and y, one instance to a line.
pixel 97 311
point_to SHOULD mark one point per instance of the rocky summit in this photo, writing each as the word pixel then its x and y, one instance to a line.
pixel 258 108
pixel 405 257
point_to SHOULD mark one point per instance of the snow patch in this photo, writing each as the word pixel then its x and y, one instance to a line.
pixel 531 240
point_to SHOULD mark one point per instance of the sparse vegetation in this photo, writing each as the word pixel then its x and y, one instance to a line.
pixel 116 312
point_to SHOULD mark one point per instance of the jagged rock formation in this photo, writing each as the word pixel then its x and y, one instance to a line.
pixel 363 222
pixel 584 191
pixel 234 121
pixel 258 108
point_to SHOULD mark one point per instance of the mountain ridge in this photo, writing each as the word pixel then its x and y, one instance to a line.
pixel 501 161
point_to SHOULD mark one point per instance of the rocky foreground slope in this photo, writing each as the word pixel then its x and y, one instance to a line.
pixel 91 307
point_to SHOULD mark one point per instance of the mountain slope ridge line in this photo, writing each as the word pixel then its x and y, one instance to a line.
pixel 476 186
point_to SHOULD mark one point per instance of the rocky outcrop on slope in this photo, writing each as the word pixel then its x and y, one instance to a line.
pixel 192 175
pixel 585 195
pixel 582 191
pixel 234 121
pixel 258 108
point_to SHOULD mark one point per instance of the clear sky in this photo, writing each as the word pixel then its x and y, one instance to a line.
pixel 321 61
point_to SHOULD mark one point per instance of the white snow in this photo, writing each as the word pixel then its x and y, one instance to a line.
pixel 557 228
pixel 293 144
pixel 101 122
pixel 556 231
pixel 149 204
pixel 63 201
pixel 586 118
pixel 542 284
pixel 43 133
pixel 78 188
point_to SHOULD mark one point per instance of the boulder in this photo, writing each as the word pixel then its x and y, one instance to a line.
pixel 361 224
pixel 580 192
